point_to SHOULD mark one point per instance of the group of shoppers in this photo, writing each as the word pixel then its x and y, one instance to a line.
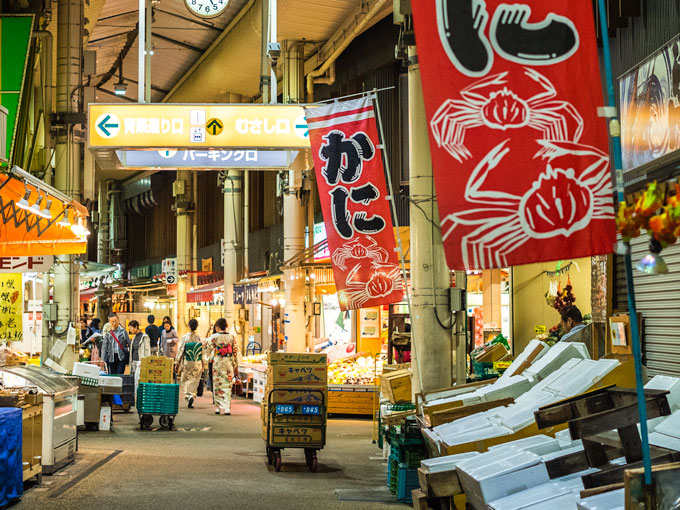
pixel 215 356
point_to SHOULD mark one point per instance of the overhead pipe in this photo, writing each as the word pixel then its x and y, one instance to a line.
pixel 347 35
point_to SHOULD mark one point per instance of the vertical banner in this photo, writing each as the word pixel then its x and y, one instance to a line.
pixel 519 154
pixel 353 194
pixel 11 307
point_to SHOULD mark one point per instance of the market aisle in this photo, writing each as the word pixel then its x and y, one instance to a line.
pixel 210 462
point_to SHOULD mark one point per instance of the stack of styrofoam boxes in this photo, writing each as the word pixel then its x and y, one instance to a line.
pixel 535 348
pixel 446 463
pixel 554 492
pixel 663 430
pixel 86 370
pixel 259 385
pixel 612 500
pixel 499 473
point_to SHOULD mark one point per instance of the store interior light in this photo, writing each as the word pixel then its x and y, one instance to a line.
pixel 23 203
pixel 274 302
pixel 45 212
pixel 35 208
pixel 653 262
pixel 64 221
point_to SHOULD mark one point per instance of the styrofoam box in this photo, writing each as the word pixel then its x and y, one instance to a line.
pixel 466 424
pixel 85 370
pixel 478 435
pixel 564 502
pixel 529 497
pixel 607 501
pixel 532 346
pixel 555 358
pixel 565 440
pixel 664 382
pixel 545 457
pixel 584 375
pixel 664 441
pixel 498 461
pixel 110 381
pixel 492 488
pixel 670 426
pixel 446 463
pixel 539 444
pixel 512 387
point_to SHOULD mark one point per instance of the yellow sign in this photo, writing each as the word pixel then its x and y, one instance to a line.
pixel 206 265
pixel 539 330
pixel 214 126
pixel 11 308
pixel 186 126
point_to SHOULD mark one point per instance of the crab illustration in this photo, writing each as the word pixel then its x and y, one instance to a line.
pixel 385 279
pixel 503 109
pixel 356 250
pixel 558 203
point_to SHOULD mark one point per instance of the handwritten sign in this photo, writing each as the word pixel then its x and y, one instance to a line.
pixel 11 308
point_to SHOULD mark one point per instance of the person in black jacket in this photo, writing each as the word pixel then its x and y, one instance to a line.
pixel 154 334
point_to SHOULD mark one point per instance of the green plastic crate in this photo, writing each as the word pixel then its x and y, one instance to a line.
pixel 155 398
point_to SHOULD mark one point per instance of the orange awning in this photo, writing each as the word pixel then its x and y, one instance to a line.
pixel 32 220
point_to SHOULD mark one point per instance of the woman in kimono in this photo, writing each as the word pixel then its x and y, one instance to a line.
pixel 190 361
pixel 224 353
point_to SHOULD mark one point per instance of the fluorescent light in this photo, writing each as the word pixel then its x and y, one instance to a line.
pixel 23 203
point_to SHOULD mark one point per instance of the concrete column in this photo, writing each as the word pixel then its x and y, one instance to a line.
pixel 430 278
pixel 67 168
pixel 294 279
pixel 233 224
pixel 183 194
pixel 103 223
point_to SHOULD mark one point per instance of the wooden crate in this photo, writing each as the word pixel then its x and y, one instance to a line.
pixel 362 400
pixel 31 455
pixel 396 386
pixel 439 485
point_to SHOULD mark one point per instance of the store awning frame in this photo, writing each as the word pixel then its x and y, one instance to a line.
pixel 205 293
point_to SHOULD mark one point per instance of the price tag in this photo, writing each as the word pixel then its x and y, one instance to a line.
pixel 285 409
pixel 539 330
pixel 310 410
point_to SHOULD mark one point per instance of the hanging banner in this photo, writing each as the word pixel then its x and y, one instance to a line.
pixel 519 154
pixel 353 193
pixel 11 308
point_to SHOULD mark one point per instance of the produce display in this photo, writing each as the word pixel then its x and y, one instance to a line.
pixel 355 370
pixel 255 358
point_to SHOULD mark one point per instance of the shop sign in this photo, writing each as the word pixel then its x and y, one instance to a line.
pixel 539 330
pixel 320 235
pixel 11 307
pixel 185 126
pixel 351 179
pixel 245 294
pixel 205 159
pixel 650 107
pixel 140 272
pixel 206 265
pixel 38 264
pixel 169 267
pixel 519 153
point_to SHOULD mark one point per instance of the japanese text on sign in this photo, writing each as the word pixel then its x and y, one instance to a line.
pixel 11 308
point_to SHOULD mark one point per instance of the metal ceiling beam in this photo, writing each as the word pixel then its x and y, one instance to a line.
pixel 121 34
pixel 190 20
pixel 117 15
pixel 178 43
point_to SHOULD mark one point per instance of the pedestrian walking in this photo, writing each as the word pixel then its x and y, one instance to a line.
pixel 154 334
pixel 116 346
pixel 140 349
pixel 190 362
pixel 224 353
pixel 169 339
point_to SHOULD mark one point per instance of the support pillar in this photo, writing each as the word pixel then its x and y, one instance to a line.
pixel 67 170
pixel 294 279
pixel 430 277
pixel 183 193
pixel 233 224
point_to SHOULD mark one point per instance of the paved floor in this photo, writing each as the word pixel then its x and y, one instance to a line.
pixel 210 462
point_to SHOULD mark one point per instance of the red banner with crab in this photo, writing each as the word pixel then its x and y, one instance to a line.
pixel 519 154
pixel 353 192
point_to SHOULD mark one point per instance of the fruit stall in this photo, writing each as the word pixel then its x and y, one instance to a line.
pixel 353 385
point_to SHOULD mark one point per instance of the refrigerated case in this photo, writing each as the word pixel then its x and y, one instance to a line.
pixel 59 411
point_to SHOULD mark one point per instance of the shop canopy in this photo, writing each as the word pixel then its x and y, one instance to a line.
pixel 205 293
pixel 38 219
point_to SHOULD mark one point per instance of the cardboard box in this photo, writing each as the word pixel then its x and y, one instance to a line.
pixel 297 358
pixel 295 434
pixel 105 418
pixel 298 374
pixel 85 370
pixel 301 396
pixel 157 362
pixel 396 386
pixel 494 353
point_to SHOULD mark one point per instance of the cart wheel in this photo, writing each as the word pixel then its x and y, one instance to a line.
pixel 270 456
pixel 146 420
pixel 308 456
pixel 171 424
pixel 164 421
pixel 313 463
pixel 277 461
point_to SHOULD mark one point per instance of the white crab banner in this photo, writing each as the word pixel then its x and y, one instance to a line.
pixel 353 192
pixel 518 151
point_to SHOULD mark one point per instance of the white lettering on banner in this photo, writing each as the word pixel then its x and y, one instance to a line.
pixel 262 126
pixel 165 126
pixel 29 264
pixel 177 126
pixel 152 126
pixel 251 155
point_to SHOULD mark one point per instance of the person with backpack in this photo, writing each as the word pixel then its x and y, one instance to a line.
pixel 190 362
pixel 116 346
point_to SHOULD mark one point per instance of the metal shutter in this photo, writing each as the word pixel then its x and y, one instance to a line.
pixel 658 300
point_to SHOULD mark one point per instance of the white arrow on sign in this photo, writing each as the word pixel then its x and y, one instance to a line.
pixel 107 125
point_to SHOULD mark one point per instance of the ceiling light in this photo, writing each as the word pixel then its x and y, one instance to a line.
pixel 120 87
pixel 64 222
pixel 45 213
pixel 23 203
pixel 35 208
pixel 653 262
